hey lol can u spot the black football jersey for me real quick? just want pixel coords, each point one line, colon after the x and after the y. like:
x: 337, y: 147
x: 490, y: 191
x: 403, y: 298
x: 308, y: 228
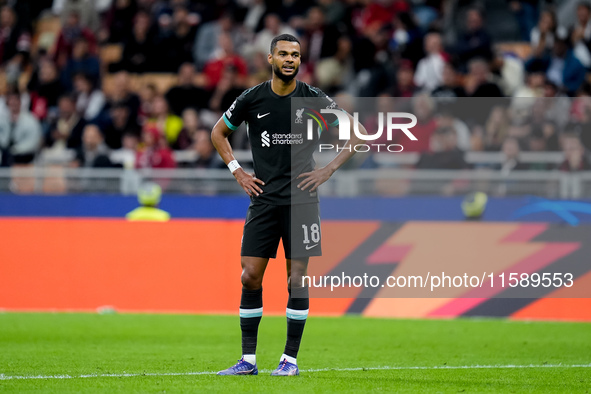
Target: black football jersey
x: 282, y: 146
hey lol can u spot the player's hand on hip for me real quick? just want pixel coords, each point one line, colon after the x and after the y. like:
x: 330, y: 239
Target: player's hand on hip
x: 249, y: 182
x: 311, y: 180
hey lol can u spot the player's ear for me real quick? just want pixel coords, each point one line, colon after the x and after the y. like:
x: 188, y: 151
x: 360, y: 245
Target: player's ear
x: 270, y: 58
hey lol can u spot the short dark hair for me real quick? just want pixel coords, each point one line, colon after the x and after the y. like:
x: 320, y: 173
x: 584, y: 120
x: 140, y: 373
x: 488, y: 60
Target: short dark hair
x: 283, y: 37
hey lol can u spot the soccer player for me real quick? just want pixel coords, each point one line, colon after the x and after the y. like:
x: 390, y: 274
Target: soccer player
x: 282, y: 188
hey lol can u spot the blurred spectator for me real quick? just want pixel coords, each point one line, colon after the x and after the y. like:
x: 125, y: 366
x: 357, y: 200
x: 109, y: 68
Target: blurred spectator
x: 66, y: 130
x: 20, y: 133
x: 335, y: 72
x: 185, y: 94
x: 407, y: 39
x: 116, y: 21
x: 575, y: 156
x: 404, y: 85
x: 426, y: 12
x: 537, y: 143
x: 123, y: 93
x: 449, y: 87
x: 580, y: 34
x: 154, y: 153
x: 511, y: 150
x: 226, y: 91
x: 147, y: 94
x: 88, y: 10
x: 557, y: 105
x: 175, y: 41
x: 125, y: 157
x: 319, y: 39
x: 71, y: 30
x: 526, y: 12
x: 224, y: 57
x: 207, y: 156
x: 15, y: 44
x: 543, y: 35
x: 208, y: 38
x: 508, y: 72
x: 445, y: 155
x: 260, y: 71
x: 190, y: 126
x: 81, y: 61
x: 479, y: 80
x: 445, y: 119
x: 429, y: 74
x: 166, y: 123
x: 290, y: 10
x: 120, y: 123
x: 535, y: 82
x: 382, y: 12
x: 563, y: 68
x: 334, y: 11
x: 89, y: 99
x: 423, y: 108
x: 253, y: 18
x: 273, y: 28
x: 550, y: 132
x: 372, y: 63
x: 93, y: 153
x: 44, y: 88
x: 496, y: 128
x: 138, y: 47
x: 475, y: 41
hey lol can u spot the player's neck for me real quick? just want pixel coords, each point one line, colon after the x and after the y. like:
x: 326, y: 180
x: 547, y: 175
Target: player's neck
x: 282, y: 88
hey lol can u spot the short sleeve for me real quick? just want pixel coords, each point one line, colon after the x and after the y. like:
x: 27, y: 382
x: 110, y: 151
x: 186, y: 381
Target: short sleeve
x: 237, y: 112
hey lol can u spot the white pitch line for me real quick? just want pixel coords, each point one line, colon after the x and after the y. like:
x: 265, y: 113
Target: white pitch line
x: 384, y: 368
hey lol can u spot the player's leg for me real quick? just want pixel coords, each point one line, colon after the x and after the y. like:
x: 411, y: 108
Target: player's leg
x: 251, y: 304
x: 259, y: 243
x: 299, y: 245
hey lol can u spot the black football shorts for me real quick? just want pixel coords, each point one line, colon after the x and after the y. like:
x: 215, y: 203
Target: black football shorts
x: 298, y: 226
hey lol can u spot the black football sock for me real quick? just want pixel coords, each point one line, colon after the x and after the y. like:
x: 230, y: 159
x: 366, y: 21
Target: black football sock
x: 251, y: 312
x: 297, y: 313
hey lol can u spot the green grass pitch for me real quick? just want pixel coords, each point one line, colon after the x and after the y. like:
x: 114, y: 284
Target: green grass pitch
x: 177, y: 353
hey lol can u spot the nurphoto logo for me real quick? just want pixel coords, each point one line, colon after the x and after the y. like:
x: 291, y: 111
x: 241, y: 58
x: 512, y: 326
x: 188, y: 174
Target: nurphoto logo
x: 388, y: 122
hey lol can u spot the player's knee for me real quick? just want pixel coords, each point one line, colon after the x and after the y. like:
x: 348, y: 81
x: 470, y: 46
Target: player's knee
x: 295, y: 279
x: 251, y: 280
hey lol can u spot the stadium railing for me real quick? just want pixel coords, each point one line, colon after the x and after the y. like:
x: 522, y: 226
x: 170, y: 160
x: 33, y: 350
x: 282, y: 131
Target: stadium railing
x: 48, y: 157
x: 349, y: 183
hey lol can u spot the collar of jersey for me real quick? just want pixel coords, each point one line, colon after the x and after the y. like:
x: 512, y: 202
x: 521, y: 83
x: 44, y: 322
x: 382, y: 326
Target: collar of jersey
x: 287, y: 95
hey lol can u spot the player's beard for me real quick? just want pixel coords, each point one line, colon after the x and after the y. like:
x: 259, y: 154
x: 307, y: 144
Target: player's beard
x: 285, y: 78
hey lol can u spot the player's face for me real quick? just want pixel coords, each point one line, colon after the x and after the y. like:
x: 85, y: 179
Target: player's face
x: 285, y: 60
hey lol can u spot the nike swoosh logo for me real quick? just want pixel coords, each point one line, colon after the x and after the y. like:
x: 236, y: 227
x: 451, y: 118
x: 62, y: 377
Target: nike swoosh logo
x: 308, y: 247
x: 262, y: 116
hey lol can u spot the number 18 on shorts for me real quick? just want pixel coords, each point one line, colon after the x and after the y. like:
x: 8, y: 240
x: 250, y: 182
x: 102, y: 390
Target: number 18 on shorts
x: 298, y: 226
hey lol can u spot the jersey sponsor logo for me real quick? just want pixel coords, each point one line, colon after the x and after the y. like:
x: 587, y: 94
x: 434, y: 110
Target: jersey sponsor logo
x: 266, y: 142
x: 308, y: 247
x: 259, y: 116
x: 287, y: 139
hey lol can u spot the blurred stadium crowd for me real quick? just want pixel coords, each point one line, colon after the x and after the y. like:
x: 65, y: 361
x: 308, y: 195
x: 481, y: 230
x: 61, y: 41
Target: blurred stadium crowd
x: 139, y: 83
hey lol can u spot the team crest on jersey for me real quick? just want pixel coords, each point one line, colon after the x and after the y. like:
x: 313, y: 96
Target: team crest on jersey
x: 299, y: 114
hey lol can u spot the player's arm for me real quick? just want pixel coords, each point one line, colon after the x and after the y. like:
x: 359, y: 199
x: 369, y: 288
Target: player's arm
x: 219, y: 138
x: 311, y: 180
